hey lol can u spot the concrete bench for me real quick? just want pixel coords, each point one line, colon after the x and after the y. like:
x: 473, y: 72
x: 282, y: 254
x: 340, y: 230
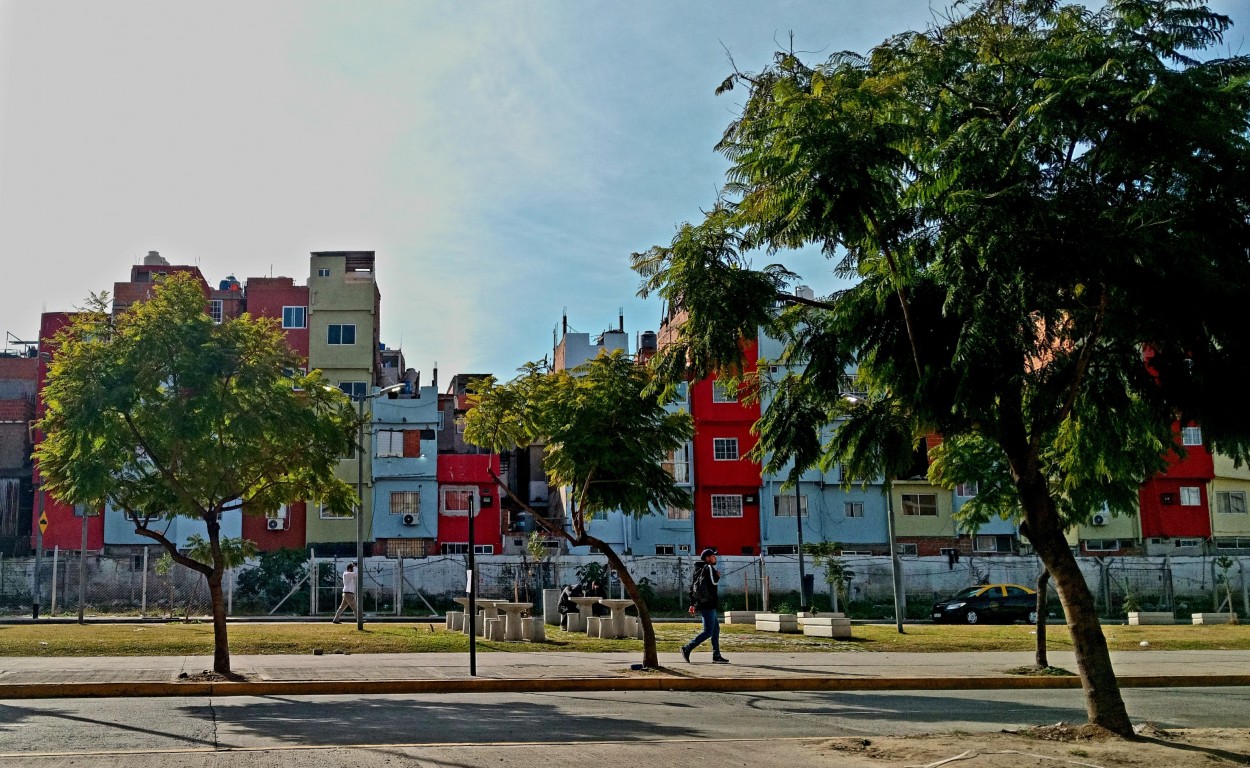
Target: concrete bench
x: 740, y: 617
x: 534, y: 629
x: 455, y: 621
x: 593, y: 626
x: 1142, y: 618
x: 1214, y: 618
x: 777, y: 622
x: 633, y: 627
x: 493, y: 629
x: 828, y: 625
x: 573, y: 622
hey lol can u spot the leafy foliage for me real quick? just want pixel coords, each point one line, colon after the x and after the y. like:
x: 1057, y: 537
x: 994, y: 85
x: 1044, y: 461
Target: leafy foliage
x: 1046, y: 212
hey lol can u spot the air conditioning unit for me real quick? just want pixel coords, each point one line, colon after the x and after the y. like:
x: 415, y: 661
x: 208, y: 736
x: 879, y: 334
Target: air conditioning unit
x: 486, y: 500
x: 410, y: 519
x: 1099, y: 519
x: 276, y: 524
x: 683, y: 548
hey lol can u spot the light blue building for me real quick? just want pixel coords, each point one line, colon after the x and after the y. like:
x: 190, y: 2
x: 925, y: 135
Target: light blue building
x: 405, y: 472
x: 119, y: 530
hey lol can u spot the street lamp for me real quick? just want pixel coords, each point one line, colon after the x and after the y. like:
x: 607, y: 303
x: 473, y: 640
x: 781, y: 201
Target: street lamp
x: 360, y: 503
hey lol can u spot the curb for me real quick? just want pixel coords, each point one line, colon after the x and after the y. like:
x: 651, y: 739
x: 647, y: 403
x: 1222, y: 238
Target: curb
x: 567, y: 684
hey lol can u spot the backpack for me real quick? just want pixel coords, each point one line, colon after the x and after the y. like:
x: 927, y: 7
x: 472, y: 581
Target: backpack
x: 700, y: 587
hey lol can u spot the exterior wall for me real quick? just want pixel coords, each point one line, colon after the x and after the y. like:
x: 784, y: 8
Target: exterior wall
x: 290, y: 534
x: 118, y: 531
x: 1163, y: 515
x: 826, y: 519
x: 348, y: 295
x: 416, y: 470
x: 1226, y: 526
x: 576, y: 348
x: 712, y: 420
x: 267, y: 296
x: 930, y: 534
x: 470, y: 471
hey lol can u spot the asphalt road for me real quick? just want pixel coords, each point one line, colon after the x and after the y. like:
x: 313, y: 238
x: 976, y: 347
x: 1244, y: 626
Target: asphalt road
x: 549, y: 729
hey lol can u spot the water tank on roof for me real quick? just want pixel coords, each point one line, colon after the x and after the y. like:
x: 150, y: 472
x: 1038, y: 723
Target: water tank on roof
x: 804, y: 292
x: 229, y: 284
x: 154, y: 258
x: 647, y: 341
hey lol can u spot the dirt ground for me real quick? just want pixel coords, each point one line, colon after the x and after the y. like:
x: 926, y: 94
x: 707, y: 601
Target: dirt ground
x: 1052, y: 746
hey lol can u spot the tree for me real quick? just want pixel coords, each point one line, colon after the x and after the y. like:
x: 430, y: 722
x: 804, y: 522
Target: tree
x: 1047, y: 213
x: 161, y: 413
x: 606, y: 433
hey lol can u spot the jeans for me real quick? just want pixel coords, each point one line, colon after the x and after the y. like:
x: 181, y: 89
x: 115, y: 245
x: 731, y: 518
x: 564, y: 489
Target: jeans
x: 711, y: 629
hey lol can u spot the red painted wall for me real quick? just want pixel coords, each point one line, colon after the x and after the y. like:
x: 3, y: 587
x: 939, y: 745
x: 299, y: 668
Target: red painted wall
x: 64, y: 529
x: 256, y: 528
x: 728, y: 535
x: 1160, y: 519
x: 470, y: 470
x: 266, y: 296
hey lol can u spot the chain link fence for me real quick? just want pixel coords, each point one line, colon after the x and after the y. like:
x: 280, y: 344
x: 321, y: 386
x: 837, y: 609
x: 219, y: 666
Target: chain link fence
x: 291, y: 583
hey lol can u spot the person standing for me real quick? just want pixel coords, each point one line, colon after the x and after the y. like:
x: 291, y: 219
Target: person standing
x: 349, y: 593
x: 705, y: 601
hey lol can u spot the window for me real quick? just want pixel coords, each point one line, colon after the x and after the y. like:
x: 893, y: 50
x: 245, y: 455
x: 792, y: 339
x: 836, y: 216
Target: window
x: 295, y: 317
x: 599, y: 515
x: 678, y: 464
x: 406, y: 503
x: 328, y: 514
x: 1191, y: 436
x: 724, y: 448
x: 1189, y: 542
x: 924, y: 504
x: 354, y: 389
x: 214, y: 310
x: 723, y: 393
x: 341, y: 333
x: 462, y: 548
x: 133, y: 516
x: 991, y: 543
x: 853, y: 509
x: 908, y: 549
x: 966, y: 490
x: 388, y: 443
x: 440, y: 421
x: 457, y: 501
x: 683, y: 393
x: 1016, y: 592
x: 677, y: 513
x: 783, y: 506
x: 1191, y: 496
x: 726, y: 505
x: 783, y: 549
x: 460, y: 424
x: 1102, y: 545
x: 665, y: 549
x: 323, y: 272
x: 1230, y: 502
x: 1232, y: 543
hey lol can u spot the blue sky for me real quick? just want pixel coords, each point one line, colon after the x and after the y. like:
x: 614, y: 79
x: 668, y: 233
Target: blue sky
x: 502, y: 158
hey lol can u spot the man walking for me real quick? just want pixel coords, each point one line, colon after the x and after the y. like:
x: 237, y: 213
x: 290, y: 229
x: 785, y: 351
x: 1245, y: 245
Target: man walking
x: 705, y: 600
x: 349, y: 593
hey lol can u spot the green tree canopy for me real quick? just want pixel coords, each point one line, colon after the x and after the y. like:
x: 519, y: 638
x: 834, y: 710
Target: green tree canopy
x: 1045, y: 210
x: 607, y: 435
x: 163, y: 413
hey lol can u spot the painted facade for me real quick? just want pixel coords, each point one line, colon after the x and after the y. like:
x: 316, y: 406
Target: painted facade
x: 1229, y: 494
x: 1175, y: 508
x: 405, y: 474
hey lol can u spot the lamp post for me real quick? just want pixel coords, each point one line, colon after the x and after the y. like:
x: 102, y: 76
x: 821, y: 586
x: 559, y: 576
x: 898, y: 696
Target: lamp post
x: 798, y: 517
x: 895, y: 575
x: 360, y: 504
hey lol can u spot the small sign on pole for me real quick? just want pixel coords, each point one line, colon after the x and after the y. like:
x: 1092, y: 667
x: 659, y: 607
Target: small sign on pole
x: 43, y: 523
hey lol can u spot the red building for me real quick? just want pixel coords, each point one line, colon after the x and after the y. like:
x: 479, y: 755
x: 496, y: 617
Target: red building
x: 64, y: 528
x: 1174, y: 503
x: 726, y: 483
x: 281, y: 299
x: 464, y: 482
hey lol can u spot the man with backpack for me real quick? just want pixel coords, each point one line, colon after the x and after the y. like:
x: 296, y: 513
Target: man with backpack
x: 705, y: 600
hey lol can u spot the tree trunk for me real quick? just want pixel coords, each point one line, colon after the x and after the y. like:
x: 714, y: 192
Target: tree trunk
x: 221, y: 643
x: 1103, y: 702
x: 1042, y: 611
x: 650, y: 658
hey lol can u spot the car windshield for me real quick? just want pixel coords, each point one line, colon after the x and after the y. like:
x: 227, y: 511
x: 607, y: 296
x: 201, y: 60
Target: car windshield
x: 969, y: 592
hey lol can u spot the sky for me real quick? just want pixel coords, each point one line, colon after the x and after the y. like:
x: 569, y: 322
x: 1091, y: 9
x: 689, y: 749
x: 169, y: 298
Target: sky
x: 503, y: 159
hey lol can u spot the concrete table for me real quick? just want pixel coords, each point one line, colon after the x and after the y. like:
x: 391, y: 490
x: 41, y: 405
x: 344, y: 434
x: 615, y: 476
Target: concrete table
x: 584, y: 605
x: 512, y: 619
x: 616, y: 619
x: 486, y: 607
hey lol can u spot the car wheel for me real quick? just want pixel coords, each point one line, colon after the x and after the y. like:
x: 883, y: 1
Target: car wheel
x: 971, y: 617
x: 1032, y: 617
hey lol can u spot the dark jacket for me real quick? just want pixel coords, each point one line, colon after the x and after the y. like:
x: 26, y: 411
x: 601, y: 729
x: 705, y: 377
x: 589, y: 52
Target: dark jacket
x: 703, y: 591
x: 566, y: 605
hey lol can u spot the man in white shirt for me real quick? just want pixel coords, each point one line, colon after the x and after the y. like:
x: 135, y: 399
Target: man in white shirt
x: 349, y: 593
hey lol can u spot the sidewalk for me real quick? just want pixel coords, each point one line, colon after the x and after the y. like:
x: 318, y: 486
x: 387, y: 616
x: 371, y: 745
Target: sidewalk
x: 338, y: 674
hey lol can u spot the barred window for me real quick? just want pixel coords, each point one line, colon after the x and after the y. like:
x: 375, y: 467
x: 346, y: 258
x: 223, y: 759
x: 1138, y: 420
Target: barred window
x: 405, y: 502
x: 726, y: 505
x: 725, y: 448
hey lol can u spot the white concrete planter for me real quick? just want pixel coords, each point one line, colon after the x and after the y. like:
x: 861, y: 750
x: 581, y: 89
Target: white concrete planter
x: 1136, y: 618
x: 1214, y: 618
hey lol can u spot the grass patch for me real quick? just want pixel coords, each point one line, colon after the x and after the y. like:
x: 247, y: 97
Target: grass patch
x: 179, y: 639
